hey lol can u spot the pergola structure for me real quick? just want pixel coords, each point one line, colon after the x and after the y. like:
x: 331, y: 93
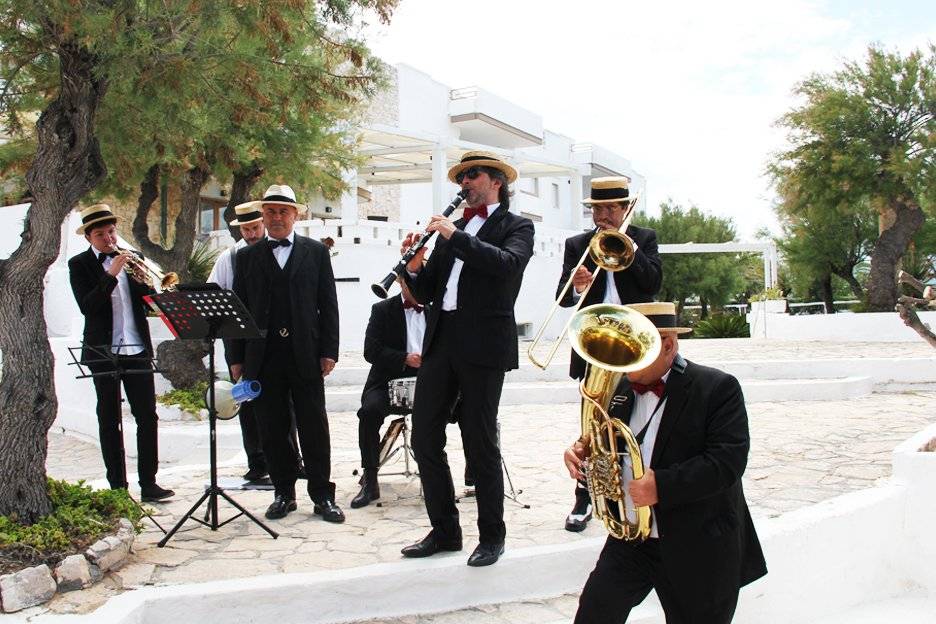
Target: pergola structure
x: 394, y: 156
x: 767, y: 250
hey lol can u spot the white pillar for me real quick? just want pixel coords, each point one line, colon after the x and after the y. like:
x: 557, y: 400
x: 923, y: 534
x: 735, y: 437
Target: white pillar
x: 439, y: 171
x: 768, y: 268
x: 575, y: 190
x: 349, y: 200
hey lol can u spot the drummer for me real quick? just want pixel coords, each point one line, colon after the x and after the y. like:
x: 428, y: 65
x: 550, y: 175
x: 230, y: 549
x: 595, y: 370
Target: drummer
x: 392, y: 346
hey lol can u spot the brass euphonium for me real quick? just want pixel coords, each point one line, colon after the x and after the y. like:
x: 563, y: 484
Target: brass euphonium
x: 613, y: 340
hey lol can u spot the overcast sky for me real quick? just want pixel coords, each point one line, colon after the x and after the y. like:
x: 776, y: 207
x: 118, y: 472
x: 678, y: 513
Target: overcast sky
x: 687, y: 91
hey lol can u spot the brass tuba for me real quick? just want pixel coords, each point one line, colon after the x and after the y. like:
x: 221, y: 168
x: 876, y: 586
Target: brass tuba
x: 613, y: 340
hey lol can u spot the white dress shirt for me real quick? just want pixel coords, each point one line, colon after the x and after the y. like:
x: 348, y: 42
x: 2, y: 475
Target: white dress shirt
x: 415, y: 328
x: 125, y: 330
x: 450, y: 298
x: 222, y: 273
x: 282, y: 253
x: 644, y: 406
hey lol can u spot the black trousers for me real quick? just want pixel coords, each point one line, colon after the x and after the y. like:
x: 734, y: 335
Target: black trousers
x: 280, y: 382
x: 441, y: 377
x: 141, y: 394
x: 375, y: 407
x: 625, y: 574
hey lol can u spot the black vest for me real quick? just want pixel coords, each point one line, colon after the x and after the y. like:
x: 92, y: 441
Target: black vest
x: 280, y: 301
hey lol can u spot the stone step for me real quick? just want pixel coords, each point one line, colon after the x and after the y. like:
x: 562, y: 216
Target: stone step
x: 882, y: 371
x: 348, y: 398
x: 915, y: 608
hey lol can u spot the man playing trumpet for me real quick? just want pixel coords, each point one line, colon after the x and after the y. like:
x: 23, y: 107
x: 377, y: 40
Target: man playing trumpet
x: 115, y: 322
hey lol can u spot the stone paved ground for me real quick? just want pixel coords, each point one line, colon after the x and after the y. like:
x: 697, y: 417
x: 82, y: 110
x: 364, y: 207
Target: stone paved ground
x: 802, y: 453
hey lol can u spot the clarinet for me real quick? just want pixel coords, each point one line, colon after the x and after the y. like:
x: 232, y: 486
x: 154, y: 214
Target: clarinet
x: 382, y: 287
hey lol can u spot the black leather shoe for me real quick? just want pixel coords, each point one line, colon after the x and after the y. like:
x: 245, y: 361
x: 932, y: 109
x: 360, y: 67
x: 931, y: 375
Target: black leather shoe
x: 153, y: 493
x: 370, y: 491
x: 255, y: 474
x: 329, y: 511
x: 486, y: 554
x: 280, y: 507
x: 429, y: 545
x: 581, y: 513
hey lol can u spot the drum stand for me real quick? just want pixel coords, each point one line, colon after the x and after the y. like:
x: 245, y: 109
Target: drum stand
x: 398, y: 429
x: 510, y: 493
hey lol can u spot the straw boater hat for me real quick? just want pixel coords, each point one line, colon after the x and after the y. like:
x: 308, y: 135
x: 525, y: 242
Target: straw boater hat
x: 662, y: 314
x: 281, y: 194
x: 482, y: 159
x: 608, y: 190
x: 248, y: 212
x: 94, y: 214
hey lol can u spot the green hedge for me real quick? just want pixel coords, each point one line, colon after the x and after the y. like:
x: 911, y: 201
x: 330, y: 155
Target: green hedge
x: 722, y: 326
x: 79, y: 518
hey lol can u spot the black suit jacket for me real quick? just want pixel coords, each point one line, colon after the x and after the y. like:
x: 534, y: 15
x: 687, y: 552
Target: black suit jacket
x: 92, y: 287
x: 385, y: 344
x: 708, y: 543
x: 314, y: 308
x: 639, y: 283
x: 488, y: 287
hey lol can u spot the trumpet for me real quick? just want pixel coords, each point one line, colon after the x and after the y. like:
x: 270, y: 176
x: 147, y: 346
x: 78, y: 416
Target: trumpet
x: 611, y: 250
x: 382, y: 287
x: 146, y: 273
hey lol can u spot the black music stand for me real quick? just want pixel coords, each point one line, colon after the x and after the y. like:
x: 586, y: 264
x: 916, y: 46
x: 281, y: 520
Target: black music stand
x: 104, y: 355
x: 207, y: 312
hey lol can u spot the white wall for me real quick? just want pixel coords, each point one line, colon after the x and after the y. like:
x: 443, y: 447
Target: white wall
x: 842, y: 327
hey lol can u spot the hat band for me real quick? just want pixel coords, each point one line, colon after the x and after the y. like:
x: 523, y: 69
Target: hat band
x: 96, y: 215
x: 278, y: 198
x: 473, y: 158
x: 249, y: 216
x: 662, y: 320
x: 611, y: 193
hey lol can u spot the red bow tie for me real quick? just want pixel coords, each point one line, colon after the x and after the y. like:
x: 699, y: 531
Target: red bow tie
x: 415, y: 307
x: 657, y: 387
x: 481, y: 211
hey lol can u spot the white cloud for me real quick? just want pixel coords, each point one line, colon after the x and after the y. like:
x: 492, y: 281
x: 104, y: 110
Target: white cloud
x: 687, y: 91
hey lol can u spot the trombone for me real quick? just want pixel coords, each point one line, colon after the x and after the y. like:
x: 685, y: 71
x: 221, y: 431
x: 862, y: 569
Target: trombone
x: 611, y: 250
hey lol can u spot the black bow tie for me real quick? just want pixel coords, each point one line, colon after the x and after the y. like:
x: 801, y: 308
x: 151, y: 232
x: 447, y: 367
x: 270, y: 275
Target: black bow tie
x: 103, y: 256
x: 279, y: 243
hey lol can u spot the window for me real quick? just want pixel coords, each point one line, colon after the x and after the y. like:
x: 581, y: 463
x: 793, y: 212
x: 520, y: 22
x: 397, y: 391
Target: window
x: 555, y: 195
x: 530, y: 186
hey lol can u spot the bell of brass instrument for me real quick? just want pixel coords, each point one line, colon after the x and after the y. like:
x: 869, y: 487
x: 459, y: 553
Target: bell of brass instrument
x: 611, y: 250
x: 146, y: 273
x: 613, y: 340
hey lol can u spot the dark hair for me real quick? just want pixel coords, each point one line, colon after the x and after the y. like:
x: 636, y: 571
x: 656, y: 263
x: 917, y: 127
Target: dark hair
x: 100, y: 224
x: 503, y: 194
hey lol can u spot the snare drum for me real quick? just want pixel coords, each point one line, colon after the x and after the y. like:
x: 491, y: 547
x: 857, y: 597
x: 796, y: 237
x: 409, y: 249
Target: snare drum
x: 402, y: 394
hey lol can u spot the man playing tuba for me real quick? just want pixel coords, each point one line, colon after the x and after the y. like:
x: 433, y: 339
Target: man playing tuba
x: 692, y: 428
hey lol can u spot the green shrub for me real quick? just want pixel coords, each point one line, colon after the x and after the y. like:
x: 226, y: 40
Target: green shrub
x: 201, y: 261
x: 190, y: 399
x: 80, y: 516
x: 722, y: 326
x: 771, y: 293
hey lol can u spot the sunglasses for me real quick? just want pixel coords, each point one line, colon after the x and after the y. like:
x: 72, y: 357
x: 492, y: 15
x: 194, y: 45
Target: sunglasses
x: 471, y: 173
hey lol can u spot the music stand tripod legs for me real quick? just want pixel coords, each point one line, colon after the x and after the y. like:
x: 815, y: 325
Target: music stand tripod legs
x: 216, y: 312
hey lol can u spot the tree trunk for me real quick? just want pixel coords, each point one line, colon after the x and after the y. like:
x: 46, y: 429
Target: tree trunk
x: 825, y: 285
x: 848, y: 274
x: 67, y: 166
x: 174, y: 259
x: 887, y: 252
x: 243, y: 183
x: 703, y: 313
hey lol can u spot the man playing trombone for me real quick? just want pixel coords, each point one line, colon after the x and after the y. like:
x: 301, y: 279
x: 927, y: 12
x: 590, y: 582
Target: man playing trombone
x: 611, y: 204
